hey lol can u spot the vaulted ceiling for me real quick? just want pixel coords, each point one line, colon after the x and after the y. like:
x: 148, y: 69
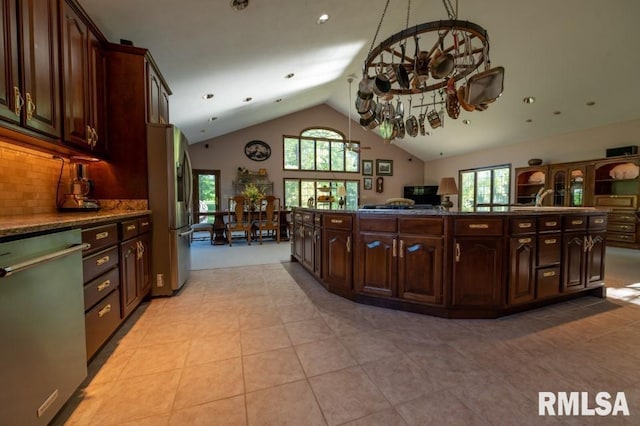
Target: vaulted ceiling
x: 566, y: 54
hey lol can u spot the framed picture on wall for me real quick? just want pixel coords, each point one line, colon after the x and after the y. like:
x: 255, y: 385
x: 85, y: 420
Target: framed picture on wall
x: 367, y: 183
x: 384, y: 167
x: 367, y: 167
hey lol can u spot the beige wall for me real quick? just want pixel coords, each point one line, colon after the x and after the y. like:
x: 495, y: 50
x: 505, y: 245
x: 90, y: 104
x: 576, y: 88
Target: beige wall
x: 226, y: 153
x: 576, y: 146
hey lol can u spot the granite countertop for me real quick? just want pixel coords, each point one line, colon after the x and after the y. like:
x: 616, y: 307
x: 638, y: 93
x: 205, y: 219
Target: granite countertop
x: 439, y: 212
x: 26, y: 224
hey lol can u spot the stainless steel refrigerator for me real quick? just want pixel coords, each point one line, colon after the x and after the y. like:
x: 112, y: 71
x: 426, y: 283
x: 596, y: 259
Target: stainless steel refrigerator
x: 170, y: 182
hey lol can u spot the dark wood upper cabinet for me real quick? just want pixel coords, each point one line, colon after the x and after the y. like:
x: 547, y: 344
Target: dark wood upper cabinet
x: 29, y: 92
x: 84, y: 84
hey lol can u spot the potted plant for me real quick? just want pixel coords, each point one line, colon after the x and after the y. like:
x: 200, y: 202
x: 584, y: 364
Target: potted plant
x: 253, y: 194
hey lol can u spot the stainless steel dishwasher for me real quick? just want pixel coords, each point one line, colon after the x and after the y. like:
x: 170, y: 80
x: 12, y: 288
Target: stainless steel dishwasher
x: 42, y: 336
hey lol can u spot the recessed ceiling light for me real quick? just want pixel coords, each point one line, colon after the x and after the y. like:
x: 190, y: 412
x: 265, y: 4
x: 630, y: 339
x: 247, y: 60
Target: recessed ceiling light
x: 213, y: 118
x: 322, y: 19
x: 466, y: 121
x: 279, y: 100
x: 247, y: 99
x: 529, y: 100
x: 207, y: 96
x: 529, y: 120
x: 557, y: 112
x: 203, y: 131
x: 591, y: 103
x: 290, y: 75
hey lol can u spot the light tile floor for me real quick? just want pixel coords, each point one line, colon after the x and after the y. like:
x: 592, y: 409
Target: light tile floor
x: 267, y: 345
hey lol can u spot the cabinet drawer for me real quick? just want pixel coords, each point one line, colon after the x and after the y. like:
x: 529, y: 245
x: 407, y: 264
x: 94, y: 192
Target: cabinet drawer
x: 307, y: 218
x: 100, y: 287
x: 626, y: 238
x: 378, y: 224
x: 549, y: 249
x: 337, y: 221
x: 101, y: 321
x: 422, y: 226
x: 478, y: 226
x: 575, y: 222
x: 100, y: 237
x: 523, y: 225
x: 144, y: 224
x: 621, y: 227
x: 99, y: 263
x: 549, y: 223
x: 548, y: 282
x: 598, y: 222
x: 617, y: 201
x: 129, y: 229
x: 622, y: 217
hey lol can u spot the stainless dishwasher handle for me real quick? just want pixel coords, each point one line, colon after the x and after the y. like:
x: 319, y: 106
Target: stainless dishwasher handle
x: 18, y: 267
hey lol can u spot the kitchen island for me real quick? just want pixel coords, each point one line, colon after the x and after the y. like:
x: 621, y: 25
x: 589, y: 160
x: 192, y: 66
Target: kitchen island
x: 454, y: 264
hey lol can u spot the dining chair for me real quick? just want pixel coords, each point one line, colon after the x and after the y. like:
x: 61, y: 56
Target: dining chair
x: 268, y: 217
x: 238, y: 218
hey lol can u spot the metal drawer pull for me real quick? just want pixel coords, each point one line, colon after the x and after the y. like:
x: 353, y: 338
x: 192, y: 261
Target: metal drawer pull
x: 401, y: 248
x: 549, y: 274
x: 457, y: 252
x: 144, y: 223
x: 478, y: 226
x: 31, y: 107
x: 102, y: 235
x: 524, y: 240
x: 349, y: 244
x: 131, y: 227
x: 102, y: 260
x: 104, y: 285
x: 525, y: 225
x: 550, y: 241
x: 551, y: 223
x: 598, y: 221
x: 104, y: 311
x: 7, y: 271
x: 336, y: 220
x: 18, y: 101
x: 395, y: 249
x: 577, y: 222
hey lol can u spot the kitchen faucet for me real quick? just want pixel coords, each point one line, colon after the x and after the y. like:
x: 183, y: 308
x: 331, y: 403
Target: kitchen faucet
x: 541, y: 194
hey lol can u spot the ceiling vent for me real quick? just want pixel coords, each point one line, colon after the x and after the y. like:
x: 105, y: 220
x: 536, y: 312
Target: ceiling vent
x: 239, y: 4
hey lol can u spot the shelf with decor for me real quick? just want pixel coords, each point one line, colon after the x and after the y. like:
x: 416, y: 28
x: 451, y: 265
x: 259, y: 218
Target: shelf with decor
x: 529, y: 180
x: 259, y: 179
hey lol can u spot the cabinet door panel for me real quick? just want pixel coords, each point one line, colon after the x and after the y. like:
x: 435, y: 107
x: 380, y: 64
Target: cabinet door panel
x: 9, y: 77
x: 420, y: 269
x: 573, y: 262
x: 128, y: 276
x: 144, y: 266
x: 75, y: 71
x: 595, y: 260
x: 477, y: 272
x: 377, y: 264
x: 522, y: 255
x: 338, y: 261
x: 41, y: 65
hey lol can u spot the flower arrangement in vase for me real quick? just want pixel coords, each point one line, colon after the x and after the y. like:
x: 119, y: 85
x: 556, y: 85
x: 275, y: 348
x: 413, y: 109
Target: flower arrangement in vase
x: 253, y: 194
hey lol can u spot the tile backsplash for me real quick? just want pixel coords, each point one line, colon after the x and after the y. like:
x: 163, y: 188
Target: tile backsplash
x: 28, y: 180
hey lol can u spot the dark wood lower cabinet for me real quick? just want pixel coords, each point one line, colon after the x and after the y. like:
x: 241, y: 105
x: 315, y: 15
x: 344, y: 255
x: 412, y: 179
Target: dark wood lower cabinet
x: 377, y: 264
x: 522, y: 277
x: 338, y: 263
x: 455, y: 266
x: 477, y: 271
x: 420, y: 269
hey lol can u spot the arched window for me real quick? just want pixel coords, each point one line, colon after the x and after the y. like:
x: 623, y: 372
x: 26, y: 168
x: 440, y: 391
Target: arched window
x: 320, y: 149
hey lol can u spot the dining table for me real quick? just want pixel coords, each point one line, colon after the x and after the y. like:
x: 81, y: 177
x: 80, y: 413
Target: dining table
x: 221, y: 216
